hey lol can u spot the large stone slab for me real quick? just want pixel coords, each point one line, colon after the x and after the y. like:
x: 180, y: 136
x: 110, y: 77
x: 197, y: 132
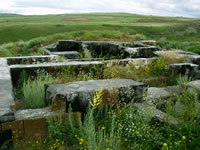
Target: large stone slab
x: 50, y: 67
x: 158, y: 96
x: 3, y: 62
x: 32, y: 113
x: 6, y: 93
x: 141, y: 52
x: 31, y: 59
x: 194, y: 59
x: 68, y: 54
x: 78, y: 94
x: 157, y: 93
x: 105, y: 48
x: 183, y: 68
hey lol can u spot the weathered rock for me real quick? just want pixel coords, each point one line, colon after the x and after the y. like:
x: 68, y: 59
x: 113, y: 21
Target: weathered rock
x: 78, y: 94
x: 3, y: 62
x: 6, y: 114
x: 173, y: 89
x: 31, y: 59
x: 6, y: 94
x: 105, y: 48
x: 159, y: 97
x: 195, y: 59
x: 194, y: 87
x: 50, y: 67
x: 157, y: 93
x: 97, y: 49
x: 142, y: 52
x: 68, y: 45
x: 156, y: 114
x: 195, y: 74
x: 149, y: 42
x: 137, y: 62
x: 68, y: 54
x: 183, y: 68
x: 32, y: 113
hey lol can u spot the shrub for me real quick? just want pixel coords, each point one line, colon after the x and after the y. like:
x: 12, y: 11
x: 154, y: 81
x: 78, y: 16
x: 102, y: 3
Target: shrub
x: 135, y: 130
x: 33, y: 90
x: 158, y: 67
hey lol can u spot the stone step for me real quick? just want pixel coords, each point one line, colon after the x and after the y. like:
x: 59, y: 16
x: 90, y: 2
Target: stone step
x: 32, y: 113
x: 78, y: 94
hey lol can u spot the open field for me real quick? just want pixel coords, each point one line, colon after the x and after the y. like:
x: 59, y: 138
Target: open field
x: 170, y: 32
x: 93, y: 95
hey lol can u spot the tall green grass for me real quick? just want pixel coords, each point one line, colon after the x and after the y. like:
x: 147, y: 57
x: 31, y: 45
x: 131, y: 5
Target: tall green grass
x: 33, y: 91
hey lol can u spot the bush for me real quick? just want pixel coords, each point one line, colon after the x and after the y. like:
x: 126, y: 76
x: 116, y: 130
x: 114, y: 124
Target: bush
x: 33, y: 90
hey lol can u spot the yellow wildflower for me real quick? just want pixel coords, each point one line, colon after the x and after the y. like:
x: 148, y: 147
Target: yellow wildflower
x: 81, y: 140
x: 183, y: 137
x: 165, y: 144
x: 106, y: 140
x: 102, y: 127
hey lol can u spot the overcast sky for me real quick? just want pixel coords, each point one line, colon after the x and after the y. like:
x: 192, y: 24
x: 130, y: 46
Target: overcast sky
x: 187, y: 8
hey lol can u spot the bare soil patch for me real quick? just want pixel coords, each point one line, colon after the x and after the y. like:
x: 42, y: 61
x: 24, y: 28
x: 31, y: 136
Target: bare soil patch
x: 78, y: 19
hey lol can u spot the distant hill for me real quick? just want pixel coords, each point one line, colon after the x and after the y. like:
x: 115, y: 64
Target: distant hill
x: 169, y: 31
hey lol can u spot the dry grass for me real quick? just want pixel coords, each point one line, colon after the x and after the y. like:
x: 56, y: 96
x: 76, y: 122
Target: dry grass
x: 172, y: 57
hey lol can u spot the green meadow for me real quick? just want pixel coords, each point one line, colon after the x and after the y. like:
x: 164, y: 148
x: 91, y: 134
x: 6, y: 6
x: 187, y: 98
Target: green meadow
x: 25, y: 35
x: 106, y: 125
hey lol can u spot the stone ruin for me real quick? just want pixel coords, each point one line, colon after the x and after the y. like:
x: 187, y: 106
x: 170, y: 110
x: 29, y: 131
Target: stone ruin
x: 84, y: 54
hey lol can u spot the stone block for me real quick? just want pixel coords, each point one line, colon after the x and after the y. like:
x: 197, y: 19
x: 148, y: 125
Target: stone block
x: 68, y: 55
x: 35, y: 128
x: 58, y: 104
x: 32, y: 113
x: 6, y: 115
x: 17, y: 128
x: 14, y: 125
x: 183, y: 68
x: 78, y: 94
x: 193, y: 87
x: 68, y: 45
x: 157, y: 93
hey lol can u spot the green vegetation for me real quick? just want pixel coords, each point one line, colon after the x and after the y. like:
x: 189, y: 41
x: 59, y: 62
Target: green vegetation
x: 106, y: 128
x: 26, y: 35
x: 28, y: 89
x: 33, y: 90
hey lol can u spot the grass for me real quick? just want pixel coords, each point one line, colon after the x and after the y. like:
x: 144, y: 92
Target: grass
x: 18, y: 31
x: 33, y: 90
x: 106, y: 128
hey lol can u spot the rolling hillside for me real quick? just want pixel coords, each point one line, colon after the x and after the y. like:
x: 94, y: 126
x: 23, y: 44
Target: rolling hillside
x: 171, y: 32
